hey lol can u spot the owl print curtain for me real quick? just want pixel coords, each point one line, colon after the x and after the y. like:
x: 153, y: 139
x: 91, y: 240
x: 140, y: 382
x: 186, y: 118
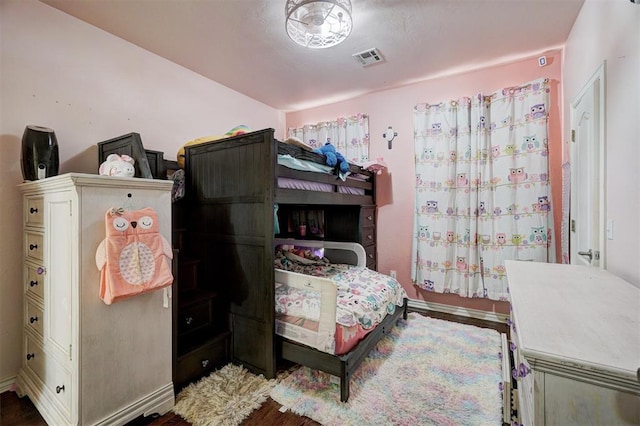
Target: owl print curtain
x: 482, y: 190
x: 350, y: 136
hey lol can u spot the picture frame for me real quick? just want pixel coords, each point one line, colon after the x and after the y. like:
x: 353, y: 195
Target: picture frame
x: 131, y: 145
x: 157, y: 164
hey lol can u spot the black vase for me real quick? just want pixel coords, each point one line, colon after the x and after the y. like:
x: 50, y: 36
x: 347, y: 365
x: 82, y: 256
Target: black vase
x: 39, y: 156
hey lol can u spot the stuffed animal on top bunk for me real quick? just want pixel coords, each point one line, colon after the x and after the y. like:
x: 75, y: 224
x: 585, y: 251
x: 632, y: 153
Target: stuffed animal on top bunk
x: 333, y: 157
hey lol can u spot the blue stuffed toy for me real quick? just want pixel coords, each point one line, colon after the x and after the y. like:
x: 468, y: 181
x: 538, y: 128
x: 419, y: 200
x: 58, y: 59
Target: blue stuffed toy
x: 333, y: 157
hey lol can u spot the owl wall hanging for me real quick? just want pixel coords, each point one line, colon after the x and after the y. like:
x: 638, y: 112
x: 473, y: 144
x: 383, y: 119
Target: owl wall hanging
x: 134, y: 258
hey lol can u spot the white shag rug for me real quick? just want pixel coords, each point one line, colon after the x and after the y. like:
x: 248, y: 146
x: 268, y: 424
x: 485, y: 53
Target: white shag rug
x: 224, y: 398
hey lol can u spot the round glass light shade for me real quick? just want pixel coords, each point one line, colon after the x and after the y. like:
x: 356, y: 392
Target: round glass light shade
x: 318, y: 24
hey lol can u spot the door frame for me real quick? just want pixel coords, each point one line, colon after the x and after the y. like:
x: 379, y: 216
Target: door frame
x: 600, y: 110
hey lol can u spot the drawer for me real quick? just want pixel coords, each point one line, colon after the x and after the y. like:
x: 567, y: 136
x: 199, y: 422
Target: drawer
x: 368, y: 236
x: 526, y: 395
x: 34, y: 246
x: 526, y: 384
x: 47, y: 371
x: 194, y: 316
x: 368, y: 217
x: 188, y: 274
x: 34, y: 285
x: 34, y: 317
x: 34, y: 211
x: 202, y: 360
x: 372, y: 261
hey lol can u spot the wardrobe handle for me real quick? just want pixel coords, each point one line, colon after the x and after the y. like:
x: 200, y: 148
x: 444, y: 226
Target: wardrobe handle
x: 33, y: 246
x: 33, y: 210
x: 40, y: 270
x: 205, y: 363
x: 59, y: 389
x: 33, y: 319
x: 33, y: 283
x: 188, y: 320
x: 29, y: 356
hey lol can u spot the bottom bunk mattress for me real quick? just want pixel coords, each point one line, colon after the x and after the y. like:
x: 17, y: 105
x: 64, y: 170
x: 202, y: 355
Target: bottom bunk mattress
x: 330, y: 307
x: 306, y: 331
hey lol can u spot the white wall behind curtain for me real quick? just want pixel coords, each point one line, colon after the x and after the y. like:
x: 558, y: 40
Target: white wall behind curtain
x: 482, y: 190
x: 350, y: 136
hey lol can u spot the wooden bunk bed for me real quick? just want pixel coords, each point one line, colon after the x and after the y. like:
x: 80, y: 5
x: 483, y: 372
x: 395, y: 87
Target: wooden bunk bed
x: 227, y: 214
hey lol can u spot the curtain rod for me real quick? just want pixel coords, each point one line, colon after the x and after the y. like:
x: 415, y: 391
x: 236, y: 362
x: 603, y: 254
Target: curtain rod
x: 466, y: 99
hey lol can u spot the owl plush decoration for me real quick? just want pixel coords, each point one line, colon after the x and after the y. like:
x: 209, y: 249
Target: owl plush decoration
x: 134, y: 257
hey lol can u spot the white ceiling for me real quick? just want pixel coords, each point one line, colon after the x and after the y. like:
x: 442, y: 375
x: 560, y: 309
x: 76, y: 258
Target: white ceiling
x: 242, y: 44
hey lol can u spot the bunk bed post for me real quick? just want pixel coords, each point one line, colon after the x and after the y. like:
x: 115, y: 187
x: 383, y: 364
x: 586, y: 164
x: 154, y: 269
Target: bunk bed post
x: 345, y: 377
x: 231, y: 186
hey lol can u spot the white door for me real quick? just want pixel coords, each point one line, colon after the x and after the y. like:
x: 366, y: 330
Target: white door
x: 587, y: 214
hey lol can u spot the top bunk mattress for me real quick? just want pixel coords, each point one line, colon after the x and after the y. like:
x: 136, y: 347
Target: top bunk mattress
x: 220, y: 169
x: 350, y: 183
x: 307, y: 185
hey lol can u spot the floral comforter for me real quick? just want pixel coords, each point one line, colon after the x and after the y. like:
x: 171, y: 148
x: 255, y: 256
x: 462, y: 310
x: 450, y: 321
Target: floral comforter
x: 365, y: 296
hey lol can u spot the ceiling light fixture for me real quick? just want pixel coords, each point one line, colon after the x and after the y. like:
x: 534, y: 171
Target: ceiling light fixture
x: 318, y: 24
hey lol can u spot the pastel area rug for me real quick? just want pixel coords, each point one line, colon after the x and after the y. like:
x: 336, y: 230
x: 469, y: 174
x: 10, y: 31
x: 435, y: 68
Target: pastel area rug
x: 224, y: 398
x: 425, y: 372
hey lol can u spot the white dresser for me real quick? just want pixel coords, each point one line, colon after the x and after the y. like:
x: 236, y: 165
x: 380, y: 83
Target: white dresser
x: 577, y: 332
x: 85, y: 362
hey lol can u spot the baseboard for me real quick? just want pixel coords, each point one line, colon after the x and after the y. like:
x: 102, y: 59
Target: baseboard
x: 159, y: 402
x: 421, y: 305
x: 7, y: 384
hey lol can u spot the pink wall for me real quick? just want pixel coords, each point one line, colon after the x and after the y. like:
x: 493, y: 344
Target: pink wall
x: 89, y: 86
x: 394, y: 107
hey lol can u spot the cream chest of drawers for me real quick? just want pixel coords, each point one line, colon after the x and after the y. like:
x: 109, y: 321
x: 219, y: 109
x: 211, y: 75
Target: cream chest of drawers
x: 577, y: 335
x: 85, y: 362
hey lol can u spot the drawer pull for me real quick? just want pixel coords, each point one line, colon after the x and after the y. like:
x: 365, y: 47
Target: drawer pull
x: 59, y: 389
x: 29, y: 356
x: 188, y: 320
x: 205, y: 363
x: 33, y: 210
x: 33, y: 319
x: 521, y: 371
x: 33, y: 283
x: 40, y: 270
x: 370, y: 237
x: 369, y: 217
x: 33, y: 246
x: 370, y: 256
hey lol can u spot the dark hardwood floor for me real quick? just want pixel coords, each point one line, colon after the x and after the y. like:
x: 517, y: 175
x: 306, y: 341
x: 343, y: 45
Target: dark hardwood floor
x: 16, y: 411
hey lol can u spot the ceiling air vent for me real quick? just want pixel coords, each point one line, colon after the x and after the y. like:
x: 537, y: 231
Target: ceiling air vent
x: 368, y: 57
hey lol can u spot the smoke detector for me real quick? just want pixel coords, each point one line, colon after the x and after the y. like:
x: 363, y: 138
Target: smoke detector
x: 368, y: 57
